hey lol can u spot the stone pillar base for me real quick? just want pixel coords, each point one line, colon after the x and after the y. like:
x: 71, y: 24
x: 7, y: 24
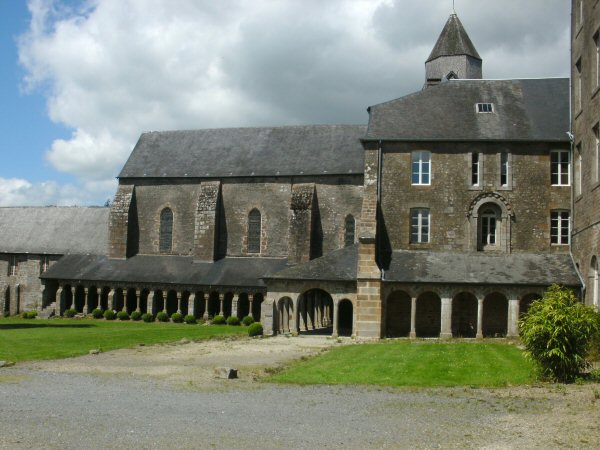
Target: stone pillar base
x: 412, y: 335
x: 479, y: 336
x: 445, y: 335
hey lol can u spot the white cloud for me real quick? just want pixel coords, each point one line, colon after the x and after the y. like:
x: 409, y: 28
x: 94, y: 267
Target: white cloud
x: 112, y: 69
x: 20, y: 192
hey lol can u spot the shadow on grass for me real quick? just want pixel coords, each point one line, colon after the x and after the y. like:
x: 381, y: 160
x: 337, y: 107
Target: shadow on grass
x: 16, y: 326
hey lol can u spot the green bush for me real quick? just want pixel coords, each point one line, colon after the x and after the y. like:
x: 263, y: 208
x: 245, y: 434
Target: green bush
x: 557, y: 332
x: 177, y: 317
x: 6, y: 314
x: 248, y: 320
x: 109, y: 314
x: 162, y: 317
x: 190, y: 319
x: 218, y: 320
x: 136, y: 315
x: 147, y: 317
x: 233, y: 320
x: 255, y: 329
x: 122, y: 315
x: 70, y: 313
x: 29, y: 314
x: 97, y: 313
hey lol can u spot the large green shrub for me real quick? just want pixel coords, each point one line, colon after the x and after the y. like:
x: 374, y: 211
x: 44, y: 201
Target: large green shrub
x: 136, y: 315
x: 233, y: 320
x: 29, y: 314
x: 248, y: 320
x: 557, y: 332
x: 70, y: 313
x: 177, y: 317
x: 162, y: 317
x: 97, y: 313
x: 122, y: 315
x: 218, y: 320
x: 109, y: 314
x: 147, y: 317
x: 255, y: 329
x: 190, y: 319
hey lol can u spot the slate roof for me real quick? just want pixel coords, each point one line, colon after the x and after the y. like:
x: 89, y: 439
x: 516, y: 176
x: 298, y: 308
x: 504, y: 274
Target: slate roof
x: 233, y: 152
x: 54, y: 230
x: 176, y: 270
x: 453, y: 40
x: 479, y: 268
x: 524, y: 110
x: 339, y: 265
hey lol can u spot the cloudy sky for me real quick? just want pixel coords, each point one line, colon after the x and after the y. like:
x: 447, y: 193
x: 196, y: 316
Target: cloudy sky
x: 80, y: 80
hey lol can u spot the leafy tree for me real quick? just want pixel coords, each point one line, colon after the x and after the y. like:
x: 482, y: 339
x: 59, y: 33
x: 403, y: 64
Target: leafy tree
x: 557, y: 333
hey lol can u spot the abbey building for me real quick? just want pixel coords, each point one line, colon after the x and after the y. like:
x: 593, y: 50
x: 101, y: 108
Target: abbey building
x: 446, y: 215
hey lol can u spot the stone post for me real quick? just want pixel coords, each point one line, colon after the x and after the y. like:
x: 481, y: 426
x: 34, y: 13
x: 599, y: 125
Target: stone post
x: 98, y: 298
x: 150, y: 302
x: 59, y: 301
x: 165, y: 298
x: 111, y: 298
x: 137, y: 300
x: 234, y: 304
x: 250, y: 299
x: 73, y: 292
x: 413, y: 318
x: 266, y: 317
x: 513, y: 318
x: 446, y: 319
x: 86, y: 292
x: 206, y: 297
x: 221, y: 298
x: 191, y: 301
x: 479, y: 318
x: 335, y: 319
x: 179, y: 302
x: 43, y: 295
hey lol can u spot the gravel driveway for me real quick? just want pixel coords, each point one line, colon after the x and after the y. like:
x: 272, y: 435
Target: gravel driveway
x: 42, y: 406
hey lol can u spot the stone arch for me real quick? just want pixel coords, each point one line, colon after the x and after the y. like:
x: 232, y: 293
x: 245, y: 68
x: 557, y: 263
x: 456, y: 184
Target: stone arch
x: 464, y: 315
x: 480, y: 213
x: 103, y: 298
x: 285, y: 309
x: 165, y: 235
x: 118, y: 299
x: 594, y: 282
x: 214, y: 304
x: 171, y: 302
x: 315, y: 312
x: 158, y: 301
x: 345, y: 317
x: 428, y: 321
x: 397, y: 314
x: 130, y: 300
x: 495, y: 315
x: 93, y: 298
x: 526, y: 302
x: 243, y: 307
x: 79, y: 298
x: 227, y: 304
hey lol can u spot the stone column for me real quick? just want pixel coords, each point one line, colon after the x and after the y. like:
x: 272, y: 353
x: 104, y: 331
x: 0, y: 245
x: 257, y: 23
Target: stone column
x: 234, y: 304
x: 413, y: 318
x: 99, y: 298
x: 73, y: 292
x: 43, y: 296
x: 138, y: 293
x: 221, y: 298
x: 111, y: 297
x: 150, y: 302
x: 513, y: 318
x: 191, y: 301
x: 86, y: 292
x: 165, y: 297
x: 179, y: 302
x: 58, y: 300
x: 335, y: 319
x: 206, y: 297
x: 125, y: 295
x: 446, y: 319
x: 479, y: 318
x: 250, y: 299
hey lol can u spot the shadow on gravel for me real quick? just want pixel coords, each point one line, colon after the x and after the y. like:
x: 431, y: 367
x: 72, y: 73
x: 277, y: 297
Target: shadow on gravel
x: 15, y: 326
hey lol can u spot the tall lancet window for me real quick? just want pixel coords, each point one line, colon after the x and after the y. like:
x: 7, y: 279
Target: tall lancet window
x: 349, y: 231
x: 165, y: 244
x: 254, y: 228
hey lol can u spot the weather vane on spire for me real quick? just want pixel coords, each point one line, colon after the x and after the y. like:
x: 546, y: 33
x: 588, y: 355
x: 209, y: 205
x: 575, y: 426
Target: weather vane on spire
x: 453, y: 10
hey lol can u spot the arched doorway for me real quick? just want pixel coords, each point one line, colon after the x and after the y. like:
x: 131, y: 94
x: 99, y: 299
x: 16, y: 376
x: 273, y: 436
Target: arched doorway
x: 397, y: 314
x: 526, y: 302
x: 464, y: 315
x: 345, y: 317
x: 171, y: 302
x: 131, y: 300
x: 227, y: 302
x: 428, y: 315
x: 315, y: 312
x: 118, y: 300
x: 257, y: 300
x: 214, y: 305
x: 243, y: 307
x: 495, y: 315
x: 285, y: 309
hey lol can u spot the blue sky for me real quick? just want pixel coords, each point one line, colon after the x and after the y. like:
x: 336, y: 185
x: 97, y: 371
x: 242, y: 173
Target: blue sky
x: 81, y: 79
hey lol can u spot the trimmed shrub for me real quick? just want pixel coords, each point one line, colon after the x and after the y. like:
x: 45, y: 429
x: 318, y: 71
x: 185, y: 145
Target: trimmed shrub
x: 218, y: 320
x: 190, y: 319
x: 557, y: 333
x: 70, y: 313
x: 233, y: 320
x: 136, y: 315
x: 248, y: 320
x: 109, y: 314
x: 122, y: 315
x: 147, y: 317
x: 97, y: 313
x: 32, y: 314
x: 255, y: 329
x: 162, y: 317
x: 177, y: 317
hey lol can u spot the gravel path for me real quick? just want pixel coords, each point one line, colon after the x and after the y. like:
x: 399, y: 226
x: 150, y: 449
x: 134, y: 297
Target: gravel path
x: 42, y: 408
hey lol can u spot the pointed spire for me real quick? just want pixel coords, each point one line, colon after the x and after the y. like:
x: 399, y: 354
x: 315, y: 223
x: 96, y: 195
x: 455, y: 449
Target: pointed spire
x: 453, y: 41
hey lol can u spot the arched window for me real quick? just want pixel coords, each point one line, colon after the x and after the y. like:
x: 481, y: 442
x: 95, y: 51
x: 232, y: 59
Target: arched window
x: 165, y: 244
x: 254, y: 228
x: 349, y: 231
x: 488, y: 227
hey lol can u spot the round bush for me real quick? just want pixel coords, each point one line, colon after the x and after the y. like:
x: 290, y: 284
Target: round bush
x: 219, y: 320
x: 136, y: 315
x: 122, y: 315
x: 190, y: 319
x: 248, y: 320
x: 177, y: 317
x: 233, y: 320
x: 255, y: 329
x: 31, y: 314
x: 97, y: 313
x: 147, y: 317
x: 109, y: 314
x: 162, y: 317
x: 70, y: 313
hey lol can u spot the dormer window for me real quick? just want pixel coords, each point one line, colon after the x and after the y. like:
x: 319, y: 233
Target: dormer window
x: 485, y: 107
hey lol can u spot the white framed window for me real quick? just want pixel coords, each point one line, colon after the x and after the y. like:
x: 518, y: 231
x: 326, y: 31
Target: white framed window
x: 485, y: 108
x: 560, y: 228
x: 596, y: 76
x: 488, y: 228
x: 12, y: 265
x: 596, y: 153
x: 504, y: 168
x: 475, y: 169
x: 560, y: 168
x: 419, y: 225
x: 577, y: 84
x: 577, y: 169
x: 595, y: 282
x: 421, y: 167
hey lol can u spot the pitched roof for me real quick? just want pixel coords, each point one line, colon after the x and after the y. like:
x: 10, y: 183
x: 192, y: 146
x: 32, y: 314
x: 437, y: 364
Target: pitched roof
x: 233, y: 152
x: 524, y: 110
x: 54, y: 230
x: 453, y: 40
x: 159, y: 269
x: 479, y: 268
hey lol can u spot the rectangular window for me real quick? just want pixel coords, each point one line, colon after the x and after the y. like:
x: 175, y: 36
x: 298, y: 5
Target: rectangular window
x: 577, y: 85
x: 474, y: 169
x: 596, y: 76
x: 485, y: 107
x: 504, y: 169
x: 421, y: 167
x: 560, y: 170
x: 559, y: 227
x: 419, y: 225
x: 12, y: 265
x: 577, y: 171
x: 596, y: 153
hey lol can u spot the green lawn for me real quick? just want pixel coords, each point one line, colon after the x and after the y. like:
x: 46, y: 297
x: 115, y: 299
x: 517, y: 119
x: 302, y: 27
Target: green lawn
x: 415, y: 364
x: 23, y: 340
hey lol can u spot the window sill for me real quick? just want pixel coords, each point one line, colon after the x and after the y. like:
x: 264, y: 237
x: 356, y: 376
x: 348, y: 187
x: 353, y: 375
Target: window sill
x: 421, y: 185
x: 560, y: 185
x: 476, y: 188
x: 578, y: 198
x: 595, y: 92
x: 578, y: 113
x: 504, y: 188
x: 595, y: 186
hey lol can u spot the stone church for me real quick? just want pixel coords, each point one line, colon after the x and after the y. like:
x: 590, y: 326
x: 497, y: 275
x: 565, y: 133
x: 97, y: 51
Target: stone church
x: 444, y: 216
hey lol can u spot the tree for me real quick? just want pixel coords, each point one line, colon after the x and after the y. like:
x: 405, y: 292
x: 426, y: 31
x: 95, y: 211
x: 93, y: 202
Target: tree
x: 557, y: 333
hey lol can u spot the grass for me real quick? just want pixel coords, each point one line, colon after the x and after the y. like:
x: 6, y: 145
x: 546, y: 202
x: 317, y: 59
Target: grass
x: 414, y: 364
x: 24, y: 340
